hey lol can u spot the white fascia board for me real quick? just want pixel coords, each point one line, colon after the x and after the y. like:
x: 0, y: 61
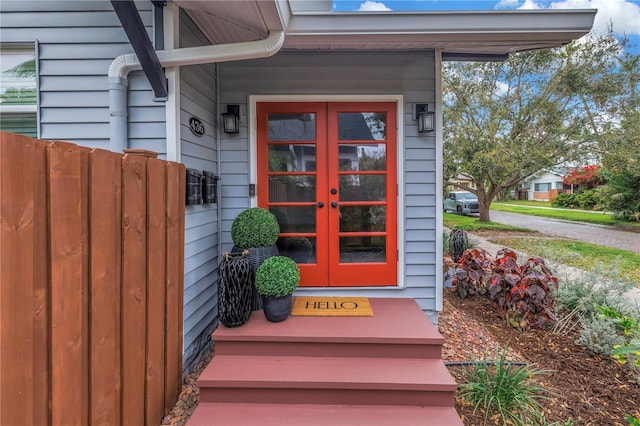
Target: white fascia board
x: 572, y: 21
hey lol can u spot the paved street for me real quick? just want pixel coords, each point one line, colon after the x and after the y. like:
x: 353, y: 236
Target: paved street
x: 590, y: 233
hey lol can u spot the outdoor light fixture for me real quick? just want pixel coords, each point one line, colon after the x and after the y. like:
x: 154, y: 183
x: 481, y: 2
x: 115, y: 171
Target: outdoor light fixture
x: 426, y: 118
x: 231, y: 119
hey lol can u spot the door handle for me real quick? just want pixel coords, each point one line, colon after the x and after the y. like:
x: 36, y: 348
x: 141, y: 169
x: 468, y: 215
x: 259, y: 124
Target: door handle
x: 320, y: 204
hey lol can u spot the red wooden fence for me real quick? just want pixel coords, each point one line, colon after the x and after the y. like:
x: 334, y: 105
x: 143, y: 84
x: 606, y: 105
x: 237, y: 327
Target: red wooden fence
x: 91, y: 284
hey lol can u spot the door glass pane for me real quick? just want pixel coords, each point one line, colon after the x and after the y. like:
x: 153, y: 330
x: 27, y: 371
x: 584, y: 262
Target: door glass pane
x: 300, y: 249
x: 362, y: 157
x: 295, y: 218
x: 287, y: 188
x: 363, y: 187
x: 292, y: 127
x: 363, y: 219
x: 367, y: 126
x: 292, y: 157
x: 363, y: 249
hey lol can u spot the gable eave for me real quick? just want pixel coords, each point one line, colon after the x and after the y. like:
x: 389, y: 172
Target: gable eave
x: 458, y: 32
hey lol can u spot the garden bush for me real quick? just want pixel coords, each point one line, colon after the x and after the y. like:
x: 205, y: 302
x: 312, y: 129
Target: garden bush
x: 473, y: 272
x: 599, y: 336
x: 578, y: 298
x: 523, y: 293
x: 587, y: 199
x: 567, y: 200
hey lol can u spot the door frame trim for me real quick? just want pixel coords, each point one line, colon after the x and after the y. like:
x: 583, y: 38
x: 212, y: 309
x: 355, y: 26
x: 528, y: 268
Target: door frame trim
x: 399, y: 100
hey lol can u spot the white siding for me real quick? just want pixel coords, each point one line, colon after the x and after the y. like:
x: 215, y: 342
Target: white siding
x: 78, y: 40
x: 410, y: 74
x: 198, y: 98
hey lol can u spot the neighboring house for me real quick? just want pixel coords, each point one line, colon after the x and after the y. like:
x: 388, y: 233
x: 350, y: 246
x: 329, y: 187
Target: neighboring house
x: 331, y: 96
x: 463, y: 181
x: 545, y: 186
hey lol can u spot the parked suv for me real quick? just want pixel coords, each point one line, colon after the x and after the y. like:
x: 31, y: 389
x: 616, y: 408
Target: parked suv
x: 462, y: 203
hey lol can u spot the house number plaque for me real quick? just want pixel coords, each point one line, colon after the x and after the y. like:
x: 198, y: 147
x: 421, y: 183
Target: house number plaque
x: 196, y: 126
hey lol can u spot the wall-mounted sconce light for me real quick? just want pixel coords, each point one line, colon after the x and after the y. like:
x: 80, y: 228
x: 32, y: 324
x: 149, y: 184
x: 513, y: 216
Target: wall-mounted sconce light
x: 231, y: 119
x: 426, y: 118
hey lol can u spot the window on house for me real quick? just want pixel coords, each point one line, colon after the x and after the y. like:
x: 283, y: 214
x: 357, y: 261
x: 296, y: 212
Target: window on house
x: 541, y: 187
x: 18, y: 89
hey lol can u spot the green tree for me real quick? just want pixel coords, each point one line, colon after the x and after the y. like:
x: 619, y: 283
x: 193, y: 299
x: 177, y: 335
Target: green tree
x: 505, y: 121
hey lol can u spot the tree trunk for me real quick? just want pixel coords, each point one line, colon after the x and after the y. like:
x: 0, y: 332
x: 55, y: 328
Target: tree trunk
x: 484, y: 201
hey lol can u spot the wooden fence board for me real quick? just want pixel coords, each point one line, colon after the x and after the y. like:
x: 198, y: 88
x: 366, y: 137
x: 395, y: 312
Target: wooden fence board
x: 156, y: 276
x: 17, y: 160
x: 41, y: 291
x: 176, y: 176
x: 105, y: 286
x: 134, y: 283
x: 91, y: 284
x: 68, y: 355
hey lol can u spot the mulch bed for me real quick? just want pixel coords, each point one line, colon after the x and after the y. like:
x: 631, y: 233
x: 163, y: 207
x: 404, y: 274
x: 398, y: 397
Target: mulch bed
x: 592, y: 390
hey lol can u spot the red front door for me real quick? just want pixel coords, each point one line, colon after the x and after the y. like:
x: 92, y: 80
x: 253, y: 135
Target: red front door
x: 328, y: 173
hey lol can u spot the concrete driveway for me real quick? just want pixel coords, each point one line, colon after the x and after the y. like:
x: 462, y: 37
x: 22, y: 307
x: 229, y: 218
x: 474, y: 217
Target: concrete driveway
x: 587, y: 232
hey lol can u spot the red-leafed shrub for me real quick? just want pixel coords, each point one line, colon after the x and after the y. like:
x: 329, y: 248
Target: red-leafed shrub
x: 522, y: 293
x: 473, y: 272
x: 586, y: 177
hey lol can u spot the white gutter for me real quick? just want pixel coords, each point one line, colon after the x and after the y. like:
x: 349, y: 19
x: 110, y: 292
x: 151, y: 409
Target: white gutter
x: 121, y: 67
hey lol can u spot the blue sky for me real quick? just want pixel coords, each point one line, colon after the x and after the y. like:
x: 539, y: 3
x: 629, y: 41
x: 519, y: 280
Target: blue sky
x: 624, y: 15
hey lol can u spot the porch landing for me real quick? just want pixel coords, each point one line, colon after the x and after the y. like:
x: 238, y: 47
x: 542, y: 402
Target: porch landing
x: 380, y: 370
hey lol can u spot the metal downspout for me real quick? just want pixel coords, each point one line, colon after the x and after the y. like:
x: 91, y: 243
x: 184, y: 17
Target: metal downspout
x: 121, y: 67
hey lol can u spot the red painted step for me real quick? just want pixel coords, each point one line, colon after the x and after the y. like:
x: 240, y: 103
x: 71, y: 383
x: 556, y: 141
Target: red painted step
x: 327, y: 380
x: 209, y: 414
x: 398, y: 329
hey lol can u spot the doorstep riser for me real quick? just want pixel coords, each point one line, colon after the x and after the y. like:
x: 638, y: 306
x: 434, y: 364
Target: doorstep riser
x: 328, y: 396
x: 208, y: 414
x: 323, y: 349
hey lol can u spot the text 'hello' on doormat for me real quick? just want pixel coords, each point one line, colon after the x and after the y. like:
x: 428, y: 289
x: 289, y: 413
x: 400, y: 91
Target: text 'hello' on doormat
x: 309, y: 306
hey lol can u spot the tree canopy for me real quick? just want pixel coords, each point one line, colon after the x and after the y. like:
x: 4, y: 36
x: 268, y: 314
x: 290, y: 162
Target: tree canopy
x: 505, y: 121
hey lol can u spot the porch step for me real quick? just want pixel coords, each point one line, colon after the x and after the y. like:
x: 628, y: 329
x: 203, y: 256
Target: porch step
x: 398, y: 329
x: 327, y: 380
x: 379, y: 370
x: 240, y: 414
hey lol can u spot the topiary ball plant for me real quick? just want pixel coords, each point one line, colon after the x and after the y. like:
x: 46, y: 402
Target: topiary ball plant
x: 278, y: 276
x: 255, y: 227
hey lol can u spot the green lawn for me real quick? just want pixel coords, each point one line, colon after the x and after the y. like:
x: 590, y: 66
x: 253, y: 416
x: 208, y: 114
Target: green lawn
x: 565, y: 214
x: 527, y: 203
x: 578, y: 254
x: 469, y: 223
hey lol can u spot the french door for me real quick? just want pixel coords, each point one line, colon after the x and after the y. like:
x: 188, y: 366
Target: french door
x: 327, y: 171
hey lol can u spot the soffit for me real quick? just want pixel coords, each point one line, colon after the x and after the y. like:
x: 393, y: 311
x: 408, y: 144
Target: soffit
x: 480, y: 32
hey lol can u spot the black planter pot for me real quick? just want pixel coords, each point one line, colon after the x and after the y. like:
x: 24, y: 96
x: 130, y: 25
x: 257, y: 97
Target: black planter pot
x: 277, y: 309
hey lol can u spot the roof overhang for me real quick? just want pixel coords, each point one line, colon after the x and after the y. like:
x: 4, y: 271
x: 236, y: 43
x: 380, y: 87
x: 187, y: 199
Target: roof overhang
x: 481, y: 34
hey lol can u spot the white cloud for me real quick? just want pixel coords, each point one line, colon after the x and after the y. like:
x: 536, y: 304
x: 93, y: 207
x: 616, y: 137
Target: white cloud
x: 502, y: 4
x: 373, y: 6
x: 622, y: 14
x: 530, y: 4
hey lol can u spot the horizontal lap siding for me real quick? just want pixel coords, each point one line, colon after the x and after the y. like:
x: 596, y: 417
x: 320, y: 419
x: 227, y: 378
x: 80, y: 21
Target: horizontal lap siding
x: 78, y: 40
x: 411, y: 74
x: 197, y: 88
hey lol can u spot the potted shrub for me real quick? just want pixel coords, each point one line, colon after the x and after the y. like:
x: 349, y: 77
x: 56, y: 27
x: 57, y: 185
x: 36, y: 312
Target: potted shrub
x: 256, y: 230
x: 276, y: 280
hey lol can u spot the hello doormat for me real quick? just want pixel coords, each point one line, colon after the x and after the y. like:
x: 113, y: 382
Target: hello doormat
x: 308, y: 306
